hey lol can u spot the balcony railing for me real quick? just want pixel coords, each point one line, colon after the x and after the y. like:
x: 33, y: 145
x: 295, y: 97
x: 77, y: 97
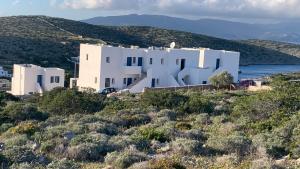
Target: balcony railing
x: 132, y: 70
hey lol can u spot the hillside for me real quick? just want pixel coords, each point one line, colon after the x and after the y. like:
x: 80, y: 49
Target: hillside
x: 49, y: 41
x: 182, y: 129
x: 283, y: 31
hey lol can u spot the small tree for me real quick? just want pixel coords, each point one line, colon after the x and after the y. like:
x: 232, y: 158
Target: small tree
x: 222, y: 79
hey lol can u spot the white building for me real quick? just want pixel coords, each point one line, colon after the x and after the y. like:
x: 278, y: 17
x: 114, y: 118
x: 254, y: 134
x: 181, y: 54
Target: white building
x: 4, y: 73
x: 29, y: 79
x: 136, y: 68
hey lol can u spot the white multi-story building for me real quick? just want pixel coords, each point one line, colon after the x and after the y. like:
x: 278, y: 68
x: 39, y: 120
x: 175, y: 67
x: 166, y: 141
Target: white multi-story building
x: 29, y: 79
x: 136, y: 68
x: 4, y: 73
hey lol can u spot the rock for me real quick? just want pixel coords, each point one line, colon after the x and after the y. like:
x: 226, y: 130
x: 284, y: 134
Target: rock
x: 69, y: 135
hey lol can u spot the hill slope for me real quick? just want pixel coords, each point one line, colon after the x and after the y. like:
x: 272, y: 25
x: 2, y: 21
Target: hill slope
x: 49, y: 41
x: 284, y: 31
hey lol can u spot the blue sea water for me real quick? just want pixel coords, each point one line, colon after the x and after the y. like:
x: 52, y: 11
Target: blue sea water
x: 258, y: 71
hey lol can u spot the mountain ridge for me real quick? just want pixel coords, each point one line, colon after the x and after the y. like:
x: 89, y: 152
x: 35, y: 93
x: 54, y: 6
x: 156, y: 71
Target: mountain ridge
x: 282, y: 31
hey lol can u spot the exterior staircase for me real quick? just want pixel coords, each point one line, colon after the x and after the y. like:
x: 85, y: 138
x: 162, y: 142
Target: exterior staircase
x: 143, y: 76
x: 39, y: 88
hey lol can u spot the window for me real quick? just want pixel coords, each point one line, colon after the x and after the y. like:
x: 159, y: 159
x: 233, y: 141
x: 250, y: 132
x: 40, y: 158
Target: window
x: 162, y: 61
x: 52, y: 79
x: 157, y: 81
x: 112, y: 81
x: 87, y: 57
x: 124, y: 81
x: 177, y: 61
x: 107, y: 82
x: 57, y: 79
x: 107, y: 59
x: 151, y: 61
x: 204, y: 82
x: 96, y: 80
x: 134, y: 60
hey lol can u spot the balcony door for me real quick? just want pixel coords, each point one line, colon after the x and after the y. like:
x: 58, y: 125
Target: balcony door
x: 140, y: 61
x: 129, y: 61
x: 40, y: 80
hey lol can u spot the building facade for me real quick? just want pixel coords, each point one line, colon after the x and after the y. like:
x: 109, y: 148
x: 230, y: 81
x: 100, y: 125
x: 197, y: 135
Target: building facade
x: 30, y: 79
x: 4, y: 73
x: 136, y: 68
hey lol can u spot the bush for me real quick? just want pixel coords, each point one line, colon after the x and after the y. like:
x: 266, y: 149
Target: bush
x: 183, y: 126
x: 27, y: 127
x: 222, y: 79
x: 63, y: 164
x: 19, y: 155
x: 162, y: 99
x: 62, y: 101
x: 198, y: 104
x: 150, y: 133
x: 17, y: 112
x: 187, y: 146
x: 125, y: 158
x: 166, y: 163
x: 86, y: 152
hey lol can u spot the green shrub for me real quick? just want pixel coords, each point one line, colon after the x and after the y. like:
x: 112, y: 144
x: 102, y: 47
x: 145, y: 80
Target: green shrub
x: 17, y: 112
x: 5, y: 126
x: 165, y: 163
x: 63, y: 164
x: 70, y: 101
x: 221, y: 79
x: 27, y: 127
x: 150, y: 133
x: 162, y: 99
x: 187, y: 146
x: 19, y: 155
x: 183, y: 126
x: 16, y: 140
x: 86, y: 152
x: 198, y: 104
x: 125, y: 158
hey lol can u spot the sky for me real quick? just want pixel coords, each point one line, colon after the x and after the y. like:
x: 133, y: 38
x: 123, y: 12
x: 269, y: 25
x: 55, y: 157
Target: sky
x: 239, y: 10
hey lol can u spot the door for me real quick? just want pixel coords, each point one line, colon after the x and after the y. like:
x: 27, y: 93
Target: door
x: 140, y: 61
x: 182, y: 64
x: 218, y: 64
x: 129, y: 81
x: 107, y: 82
x: 153, y: 83
x: 40, y: 80
x: 129, y: 61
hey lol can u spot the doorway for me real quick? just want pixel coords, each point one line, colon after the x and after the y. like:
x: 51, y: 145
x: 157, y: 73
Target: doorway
x: 182, y: 64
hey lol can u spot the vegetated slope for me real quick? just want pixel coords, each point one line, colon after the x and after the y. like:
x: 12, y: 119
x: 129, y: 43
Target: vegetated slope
x: 49, y: 41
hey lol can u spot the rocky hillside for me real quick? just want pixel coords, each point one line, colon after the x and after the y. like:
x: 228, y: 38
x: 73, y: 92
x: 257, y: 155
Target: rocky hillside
x: 50, y: 41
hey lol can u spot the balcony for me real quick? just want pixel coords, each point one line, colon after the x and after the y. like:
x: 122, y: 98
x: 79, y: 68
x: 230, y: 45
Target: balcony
x: 132, y: 70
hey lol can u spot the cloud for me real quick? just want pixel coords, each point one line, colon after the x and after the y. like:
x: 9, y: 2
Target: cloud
x: 218, y: 8
x: 15, y: 2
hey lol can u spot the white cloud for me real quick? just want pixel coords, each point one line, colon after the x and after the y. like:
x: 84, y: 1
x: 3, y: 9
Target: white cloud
x: 15, y: 2
x: 229, y: 8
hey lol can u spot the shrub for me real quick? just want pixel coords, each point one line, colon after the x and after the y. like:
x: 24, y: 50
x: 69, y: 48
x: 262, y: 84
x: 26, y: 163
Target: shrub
x: 63, y: 164
x: 165, y: 163
x: 221, y: 79
x: 86, y: 152
x: 183, y: 126
x: 187, y: 146
x: 19, y: 155
x: 129, y: 119
x: 163, y: 99
x: 150, y: 133
x: 5, y: 126
x: 17, y: 140
x: 27, y: 127
x: 125, y: 158
x: 198, y: 104
x: 70, y: 101
x: 17, y: 112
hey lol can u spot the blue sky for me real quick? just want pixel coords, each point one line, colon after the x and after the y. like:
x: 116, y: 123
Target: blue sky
x: 243, y: 10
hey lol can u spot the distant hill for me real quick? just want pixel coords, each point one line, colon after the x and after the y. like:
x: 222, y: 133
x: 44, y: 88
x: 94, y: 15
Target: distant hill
x: 50, y: 41
x: 285, y: 31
